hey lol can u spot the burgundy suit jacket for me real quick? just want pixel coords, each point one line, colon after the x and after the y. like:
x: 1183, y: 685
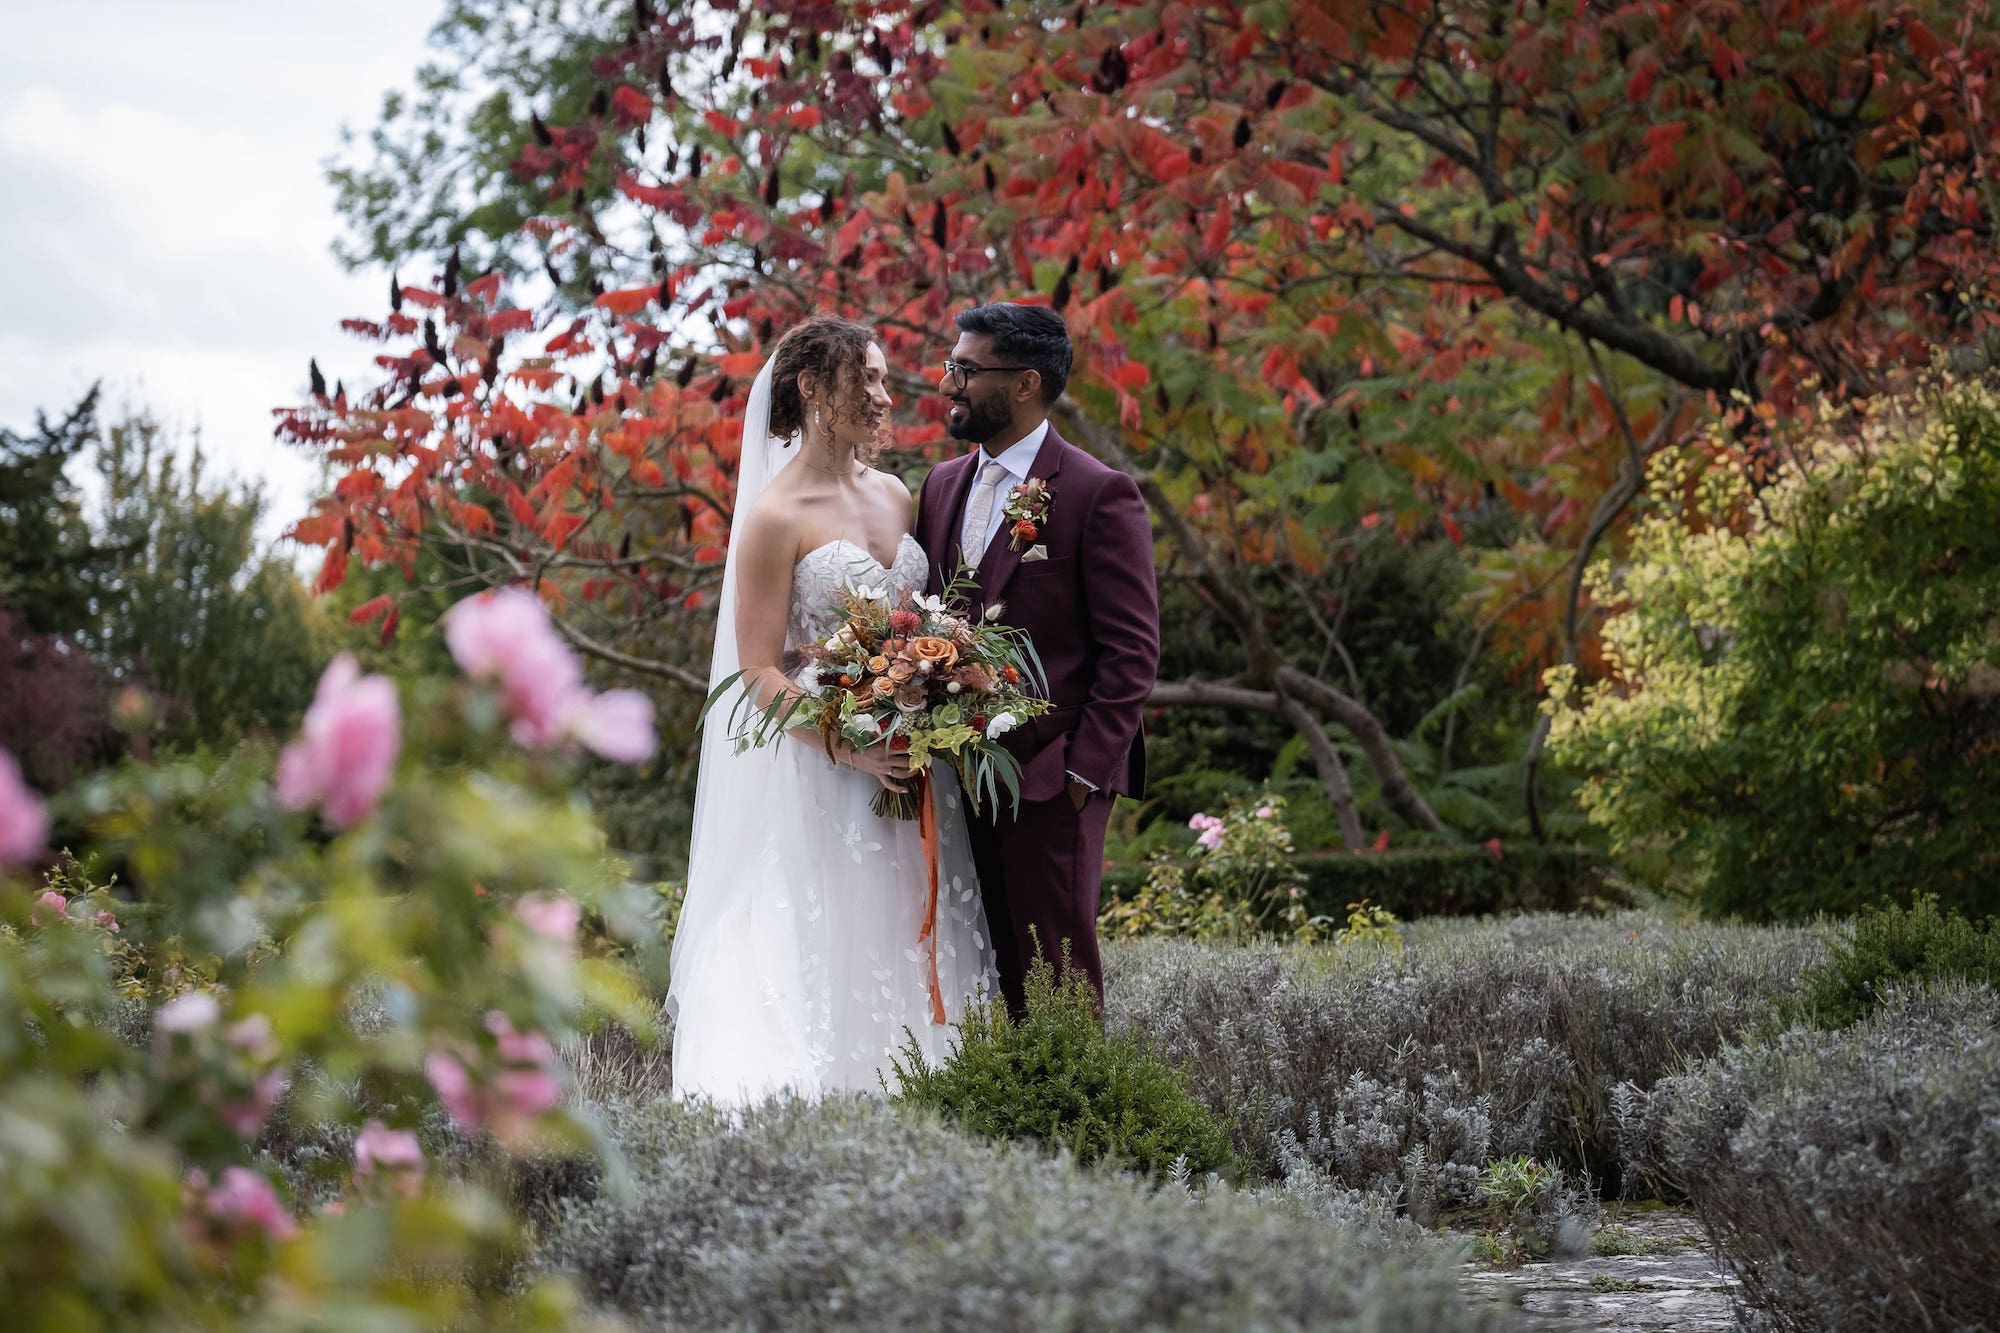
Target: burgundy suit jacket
x: 1091, y: 609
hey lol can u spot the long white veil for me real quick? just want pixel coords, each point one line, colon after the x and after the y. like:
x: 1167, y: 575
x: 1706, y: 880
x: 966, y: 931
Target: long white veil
x: 727, y: 785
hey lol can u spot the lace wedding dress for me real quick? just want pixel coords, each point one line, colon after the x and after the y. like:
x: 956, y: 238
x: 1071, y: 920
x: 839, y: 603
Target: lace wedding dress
x: 797, y: 966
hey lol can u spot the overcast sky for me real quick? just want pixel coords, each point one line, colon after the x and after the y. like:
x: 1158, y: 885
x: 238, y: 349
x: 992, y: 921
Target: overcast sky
x: 164, y: 221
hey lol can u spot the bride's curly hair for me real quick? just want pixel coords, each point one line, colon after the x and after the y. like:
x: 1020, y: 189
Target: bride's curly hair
x: 836, y: 351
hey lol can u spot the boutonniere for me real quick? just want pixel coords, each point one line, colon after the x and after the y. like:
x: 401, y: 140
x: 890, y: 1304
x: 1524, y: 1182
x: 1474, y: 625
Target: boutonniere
x: 1027, y: 510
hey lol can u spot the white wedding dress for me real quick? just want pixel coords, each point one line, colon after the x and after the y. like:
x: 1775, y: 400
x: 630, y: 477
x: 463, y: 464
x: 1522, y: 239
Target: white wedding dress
x: 797, y: 964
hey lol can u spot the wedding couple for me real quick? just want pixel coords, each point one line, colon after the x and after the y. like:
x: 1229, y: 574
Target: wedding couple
x: 797, y: 963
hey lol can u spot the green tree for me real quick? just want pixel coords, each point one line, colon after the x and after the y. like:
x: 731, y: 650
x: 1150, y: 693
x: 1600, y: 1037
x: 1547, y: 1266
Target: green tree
x: 220, y: 631
x: 48, y: 556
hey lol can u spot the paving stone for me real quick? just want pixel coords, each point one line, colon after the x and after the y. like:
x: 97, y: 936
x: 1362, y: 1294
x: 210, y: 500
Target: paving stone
x: 1681, y: 1290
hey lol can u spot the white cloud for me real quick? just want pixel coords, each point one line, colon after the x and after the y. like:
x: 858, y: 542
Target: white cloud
x: 167, y: 228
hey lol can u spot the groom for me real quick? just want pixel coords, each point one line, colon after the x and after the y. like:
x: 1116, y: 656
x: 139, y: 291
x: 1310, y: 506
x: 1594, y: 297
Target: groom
x: 1082, y: 589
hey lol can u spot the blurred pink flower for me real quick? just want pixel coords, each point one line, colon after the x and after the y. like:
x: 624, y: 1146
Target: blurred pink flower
x: 346, y: 751
x: 106, y: 921
x: 392, y: 1151
x: 553, y: 915
x: 245, y: 1119
x: 1211, y: 837
x: 1265, y: 812
x: 526, y: 1087
x: 617, y: 724
x: 1200, y: 822
x: 506, y: 636
x: 51, y: 906
x: 24, y: 822
x: 247, y: 1199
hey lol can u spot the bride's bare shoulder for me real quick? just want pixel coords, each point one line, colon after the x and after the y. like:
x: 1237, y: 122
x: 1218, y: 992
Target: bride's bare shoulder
x: 772, y: 524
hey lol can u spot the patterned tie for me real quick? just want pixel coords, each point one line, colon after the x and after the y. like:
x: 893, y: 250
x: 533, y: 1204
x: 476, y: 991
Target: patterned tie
x: 978, y: 512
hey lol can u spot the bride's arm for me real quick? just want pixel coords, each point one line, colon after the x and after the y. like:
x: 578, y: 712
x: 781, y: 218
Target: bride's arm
x: 766, y: 552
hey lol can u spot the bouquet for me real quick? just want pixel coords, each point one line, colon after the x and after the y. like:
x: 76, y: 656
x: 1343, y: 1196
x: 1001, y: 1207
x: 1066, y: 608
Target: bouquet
x: 921, y: 677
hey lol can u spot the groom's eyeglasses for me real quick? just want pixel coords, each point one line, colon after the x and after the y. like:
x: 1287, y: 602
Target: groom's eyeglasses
x: 958, y: 374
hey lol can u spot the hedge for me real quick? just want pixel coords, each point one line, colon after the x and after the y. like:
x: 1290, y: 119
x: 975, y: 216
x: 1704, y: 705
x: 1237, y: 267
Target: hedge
x: 1444, y: 881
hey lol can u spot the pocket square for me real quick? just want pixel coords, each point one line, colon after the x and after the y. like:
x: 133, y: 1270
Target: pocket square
x: 1034, y: 553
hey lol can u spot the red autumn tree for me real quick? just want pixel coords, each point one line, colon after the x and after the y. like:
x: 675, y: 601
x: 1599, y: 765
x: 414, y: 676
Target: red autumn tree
x: 1329, y: 265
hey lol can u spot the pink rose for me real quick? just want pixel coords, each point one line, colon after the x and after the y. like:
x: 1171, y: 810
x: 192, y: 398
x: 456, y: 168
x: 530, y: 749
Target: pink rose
x: 51, y: 906
x: 552, y: 915
x: 346, y: 751
x: 24, y: 822
x: 245, y: 1119
x: 106, y: 921
x: 1211, y: 837
x: 394, y: 1152
x: 1200, y: 822
x: 526, y: 1086
x: 246, y: 1199
x: 454, y: 1089
x: 505, y: 636
x: 1265, y: 812
x: 617, y: 724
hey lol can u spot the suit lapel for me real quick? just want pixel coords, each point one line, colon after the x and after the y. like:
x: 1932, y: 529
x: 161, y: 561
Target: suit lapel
x: 1003, y: 556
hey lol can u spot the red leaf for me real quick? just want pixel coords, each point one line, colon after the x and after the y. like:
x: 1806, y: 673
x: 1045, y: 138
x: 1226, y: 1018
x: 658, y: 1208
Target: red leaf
x: 741, y: 365
x: 630, y: 300
x: 1493, y: 846
x: 1132, y: 376
x: 1381, y: 844
x: 370, y: 609
x: 633, y: 107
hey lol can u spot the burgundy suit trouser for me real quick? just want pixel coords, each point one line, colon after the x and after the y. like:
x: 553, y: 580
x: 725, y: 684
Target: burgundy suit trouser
x: 1040, y: 873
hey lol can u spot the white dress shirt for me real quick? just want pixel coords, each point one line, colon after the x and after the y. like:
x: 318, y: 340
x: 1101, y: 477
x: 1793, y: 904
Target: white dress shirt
x: 1017, y: 459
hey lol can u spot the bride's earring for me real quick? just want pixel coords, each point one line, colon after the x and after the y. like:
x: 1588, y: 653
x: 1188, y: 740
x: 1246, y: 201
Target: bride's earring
x: 818, y: 434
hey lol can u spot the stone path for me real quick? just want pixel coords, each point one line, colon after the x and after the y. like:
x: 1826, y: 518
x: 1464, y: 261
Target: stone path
x: 1673, y: 1285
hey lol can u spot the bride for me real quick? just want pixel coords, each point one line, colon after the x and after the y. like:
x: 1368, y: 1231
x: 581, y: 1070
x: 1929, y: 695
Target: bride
x: 797, y: 963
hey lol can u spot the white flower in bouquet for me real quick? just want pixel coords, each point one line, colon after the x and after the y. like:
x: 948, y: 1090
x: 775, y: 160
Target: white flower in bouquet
x: 933, y: 605
x: 869, y: 592
x: 864, y: 724
x: 995, y: 611
x: 1000, y: 724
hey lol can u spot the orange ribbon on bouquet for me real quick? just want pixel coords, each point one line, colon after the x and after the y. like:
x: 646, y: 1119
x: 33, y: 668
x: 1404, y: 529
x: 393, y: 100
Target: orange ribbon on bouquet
x: 927, y: 833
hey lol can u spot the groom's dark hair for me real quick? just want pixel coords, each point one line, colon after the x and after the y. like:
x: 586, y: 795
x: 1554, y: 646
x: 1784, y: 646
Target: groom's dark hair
x: 1030, y: 335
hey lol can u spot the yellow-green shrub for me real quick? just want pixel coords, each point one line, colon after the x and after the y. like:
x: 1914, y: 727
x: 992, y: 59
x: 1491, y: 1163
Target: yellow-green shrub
x: 1804, y: 703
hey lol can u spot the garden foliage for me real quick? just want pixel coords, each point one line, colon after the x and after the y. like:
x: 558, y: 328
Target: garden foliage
x: 1805, y: 693
x: 1055, y: 1077
x: 854, y: 1214
x: 1847, y: 1177
x: 1408, y: 1072
x: 1896, y: 948
x: 380, y: 936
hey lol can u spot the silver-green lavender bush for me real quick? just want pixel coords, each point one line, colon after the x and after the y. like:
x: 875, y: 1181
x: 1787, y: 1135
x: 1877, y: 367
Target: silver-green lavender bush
x: 1410, y: 1071
x: 1852, y: 1178
x: 853, y: 1214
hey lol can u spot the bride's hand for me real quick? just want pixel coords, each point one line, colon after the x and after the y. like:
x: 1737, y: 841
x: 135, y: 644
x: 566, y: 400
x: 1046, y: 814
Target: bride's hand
x: 892, y: 770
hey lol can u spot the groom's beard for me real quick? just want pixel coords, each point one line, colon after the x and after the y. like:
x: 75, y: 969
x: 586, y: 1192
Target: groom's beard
x: 980, y: 423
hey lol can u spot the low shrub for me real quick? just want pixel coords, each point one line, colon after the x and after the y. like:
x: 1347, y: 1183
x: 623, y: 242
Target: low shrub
x: 1536, y: 1210
x: 1056, y: 1078
x: 1407, y: 1072
x: 1848, y: 1178
x: 1896, y: 947
x: 851, y: 1214
x: 1438, y: 881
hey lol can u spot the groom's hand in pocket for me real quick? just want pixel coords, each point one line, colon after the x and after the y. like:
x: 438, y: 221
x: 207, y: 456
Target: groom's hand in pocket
x: 1079, y: 793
